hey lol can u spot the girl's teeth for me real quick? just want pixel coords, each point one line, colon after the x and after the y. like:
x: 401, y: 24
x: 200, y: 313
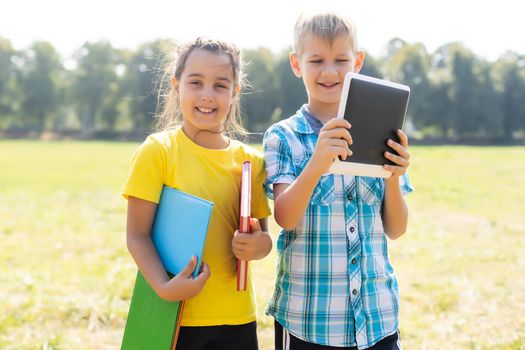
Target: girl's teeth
x: 205, y: 110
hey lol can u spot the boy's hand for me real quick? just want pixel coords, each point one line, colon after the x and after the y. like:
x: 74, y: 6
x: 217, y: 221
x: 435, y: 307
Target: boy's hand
x: 334, y: 140
x: 401, y: 159
x: 183, y: 285
x: 251, y: 246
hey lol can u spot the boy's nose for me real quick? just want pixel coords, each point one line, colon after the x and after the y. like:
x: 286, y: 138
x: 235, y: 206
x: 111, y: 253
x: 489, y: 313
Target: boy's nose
x: 330, y: 69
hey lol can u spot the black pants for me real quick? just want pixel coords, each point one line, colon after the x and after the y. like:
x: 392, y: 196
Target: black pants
x: 286, y: 341
x: 236, y: 337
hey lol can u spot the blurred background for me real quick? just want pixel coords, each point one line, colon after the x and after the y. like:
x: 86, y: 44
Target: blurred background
x: 78, y: 93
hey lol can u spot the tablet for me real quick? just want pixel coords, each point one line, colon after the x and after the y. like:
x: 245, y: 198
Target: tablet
x: 375, y: 108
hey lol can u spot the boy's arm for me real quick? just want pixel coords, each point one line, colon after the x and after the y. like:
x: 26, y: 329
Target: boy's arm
x: 395, y: 210
x: 291, y: 200
x: 138, y: 237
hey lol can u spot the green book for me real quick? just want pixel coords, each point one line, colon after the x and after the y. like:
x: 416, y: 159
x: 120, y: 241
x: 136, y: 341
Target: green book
x: 178, y: 233
x: 152, y: 321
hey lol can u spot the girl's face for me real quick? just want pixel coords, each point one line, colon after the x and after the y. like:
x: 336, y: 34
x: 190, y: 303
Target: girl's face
x: 206, y: 90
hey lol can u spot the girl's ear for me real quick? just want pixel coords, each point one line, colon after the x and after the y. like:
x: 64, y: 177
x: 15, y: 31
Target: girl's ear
x: 175, y: 84
x: 294, y: 63
x: 359, y: 61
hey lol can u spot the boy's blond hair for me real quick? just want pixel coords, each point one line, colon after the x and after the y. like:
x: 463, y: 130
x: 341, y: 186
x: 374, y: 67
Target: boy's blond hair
x: 327, y: 26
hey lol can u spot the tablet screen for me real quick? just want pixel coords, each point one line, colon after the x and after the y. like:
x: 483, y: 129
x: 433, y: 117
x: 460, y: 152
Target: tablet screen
x: 375, y: 112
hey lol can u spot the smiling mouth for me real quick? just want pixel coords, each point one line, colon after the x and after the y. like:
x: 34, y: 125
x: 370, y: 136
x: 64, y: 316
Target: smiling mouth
x: 204, y: 110
x: 328, y: 85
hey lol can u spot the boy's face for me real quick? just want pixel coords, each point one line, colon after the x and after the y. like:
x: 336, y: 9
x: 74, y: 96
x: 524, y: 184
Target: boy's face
x: 323, y: 68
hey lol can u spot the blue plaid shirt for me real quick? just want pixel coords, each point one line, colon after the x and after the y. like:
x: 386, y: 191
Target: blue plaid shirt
x: 335, y: 285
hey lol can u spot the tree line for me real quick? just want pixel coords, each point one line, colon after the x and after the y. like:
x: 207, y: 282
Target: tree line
x: 103, y: 91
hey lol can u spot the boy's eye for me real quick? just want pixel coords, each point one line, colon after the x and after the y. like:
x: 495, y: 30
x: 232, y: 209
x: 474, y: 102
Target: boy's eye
x: 316, y: 61
x: 342, y: 60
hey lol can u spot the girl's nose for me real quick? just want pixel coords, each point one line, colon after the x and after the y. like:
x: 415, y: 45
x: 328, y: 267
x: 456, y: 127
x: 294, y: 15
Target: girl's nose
x: 206, y: 99
x: 207, y: 96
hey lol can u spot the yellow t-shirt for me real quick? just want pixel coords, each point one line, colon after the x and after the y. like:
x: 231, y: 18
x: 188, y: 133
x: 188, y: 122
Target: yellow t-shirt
x: 171, y: 158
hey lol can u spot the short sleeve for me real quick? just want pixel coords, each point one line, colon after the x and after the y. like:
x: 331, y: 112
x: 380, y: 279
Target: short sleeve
x: 406, y: 186
x: 260, y: 206
x: 278, y: 160
x: 147, y: 172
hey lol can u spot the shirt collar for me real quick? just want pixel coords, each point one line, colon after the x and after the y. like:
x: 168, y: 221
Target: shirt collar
x: 301, y: 124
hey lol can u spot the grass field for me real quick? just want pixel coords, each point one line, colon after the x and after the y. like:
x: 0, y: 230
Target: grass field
x: 66, y: 276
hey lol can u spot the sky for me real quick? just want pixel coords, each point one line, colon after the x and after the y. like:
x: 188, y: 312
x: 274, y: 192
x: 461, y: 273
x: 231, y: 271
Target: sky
x: 488, y: 28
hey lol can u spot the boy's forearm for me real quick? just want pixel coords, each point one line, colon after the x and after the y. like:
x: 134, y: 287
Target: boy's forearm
x: 395, y: 210
x: 290, y: 205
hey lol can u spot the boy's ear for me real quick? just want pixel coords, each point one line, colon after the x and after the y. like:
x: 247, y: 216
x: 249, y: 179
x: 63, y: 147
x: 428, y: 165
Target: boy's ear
x: 359, y: 61
x: 175, y: 84
x: 294, y: 63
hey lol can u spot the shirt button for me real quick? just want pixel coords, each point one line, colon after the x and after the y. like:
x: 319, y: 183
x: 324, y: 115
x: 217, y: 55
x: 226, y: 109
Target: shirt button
x: 352, y: 229
x: 354, y: 260
x: 350, y: 197
x: 354, y: 292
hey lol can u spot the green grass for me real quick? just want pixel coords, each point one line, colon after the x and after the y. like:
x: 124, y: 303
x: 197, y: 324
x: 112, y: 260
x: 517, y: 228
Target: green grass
x: 66, y: 276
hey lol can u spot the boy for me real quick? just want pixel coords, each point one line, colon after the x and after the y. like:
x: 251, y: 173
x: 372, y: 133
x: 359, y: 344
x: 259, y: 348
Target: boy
x: 335, y: 286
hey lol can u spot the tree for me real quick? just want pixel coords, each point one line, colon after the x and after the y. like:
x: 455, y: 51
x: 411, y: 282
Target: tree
x: 260, y: 97
x: 96, y: 72
x: 509, y: 72
x: 290, y: 89
x: 8, y: 82
x: 39, y: 83
x: 371, y: 67
x: 142, y: 82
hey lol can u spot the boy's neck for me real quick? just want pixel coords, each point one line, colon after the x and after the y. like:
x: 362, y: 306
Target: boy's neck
x: 323, y: 112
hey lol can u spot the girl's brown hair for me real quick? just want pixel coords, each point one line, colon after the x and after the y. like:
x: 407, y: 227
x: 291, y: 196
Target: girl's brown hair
x: 168, y: 113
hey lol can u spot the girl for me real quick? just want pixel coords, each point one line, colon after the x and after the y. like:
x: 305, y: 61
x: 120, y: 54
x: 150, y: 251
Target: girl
x: 194, y: 154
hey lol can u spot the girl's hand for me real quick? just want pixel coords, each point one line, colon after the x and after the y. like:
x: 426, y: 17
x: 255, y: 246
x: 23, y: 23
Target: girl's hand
x: 401, y: 158
x: 251, y: 246
x: 183, y: 286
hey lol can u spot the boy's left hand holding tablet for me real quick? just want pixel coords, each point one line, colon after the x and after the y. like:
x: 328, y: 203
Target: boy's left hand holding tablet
x: 401, y: 158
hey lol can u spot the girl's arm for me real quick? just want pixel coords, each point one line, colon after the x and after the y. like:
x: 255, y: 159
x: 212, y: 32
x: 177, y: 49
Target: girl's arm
x: 255, y: 245
x: 138, y: 236
x: 395, y: 210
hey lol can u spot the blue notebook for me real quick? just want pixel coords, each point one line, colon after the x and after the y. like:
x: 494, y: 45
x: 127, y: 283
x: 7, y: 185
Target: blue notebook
x: 179, y: 229
x: 178, y: 233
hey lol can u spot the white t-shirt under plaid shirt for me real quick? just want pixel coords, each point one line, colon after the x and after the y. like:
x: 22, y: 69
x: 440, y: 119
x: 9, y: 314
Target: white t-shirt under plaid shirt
x: 335, y: 285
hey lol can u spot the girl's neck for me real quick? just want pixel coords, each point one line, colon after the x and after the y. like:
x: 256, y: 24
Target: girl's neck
x: 323, y: 111
x: 207, y: 138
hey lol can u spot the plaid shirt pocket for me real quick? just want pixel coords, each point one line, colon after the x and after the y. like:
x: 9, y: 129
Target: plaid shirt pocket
x: 371, y: 190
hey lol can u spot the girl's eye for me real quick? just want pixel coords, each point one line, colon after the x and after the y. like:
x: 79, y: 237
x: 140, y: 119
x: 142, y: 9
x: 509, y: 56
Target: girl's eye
x: 195, y: 82
x: 221, y: 86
